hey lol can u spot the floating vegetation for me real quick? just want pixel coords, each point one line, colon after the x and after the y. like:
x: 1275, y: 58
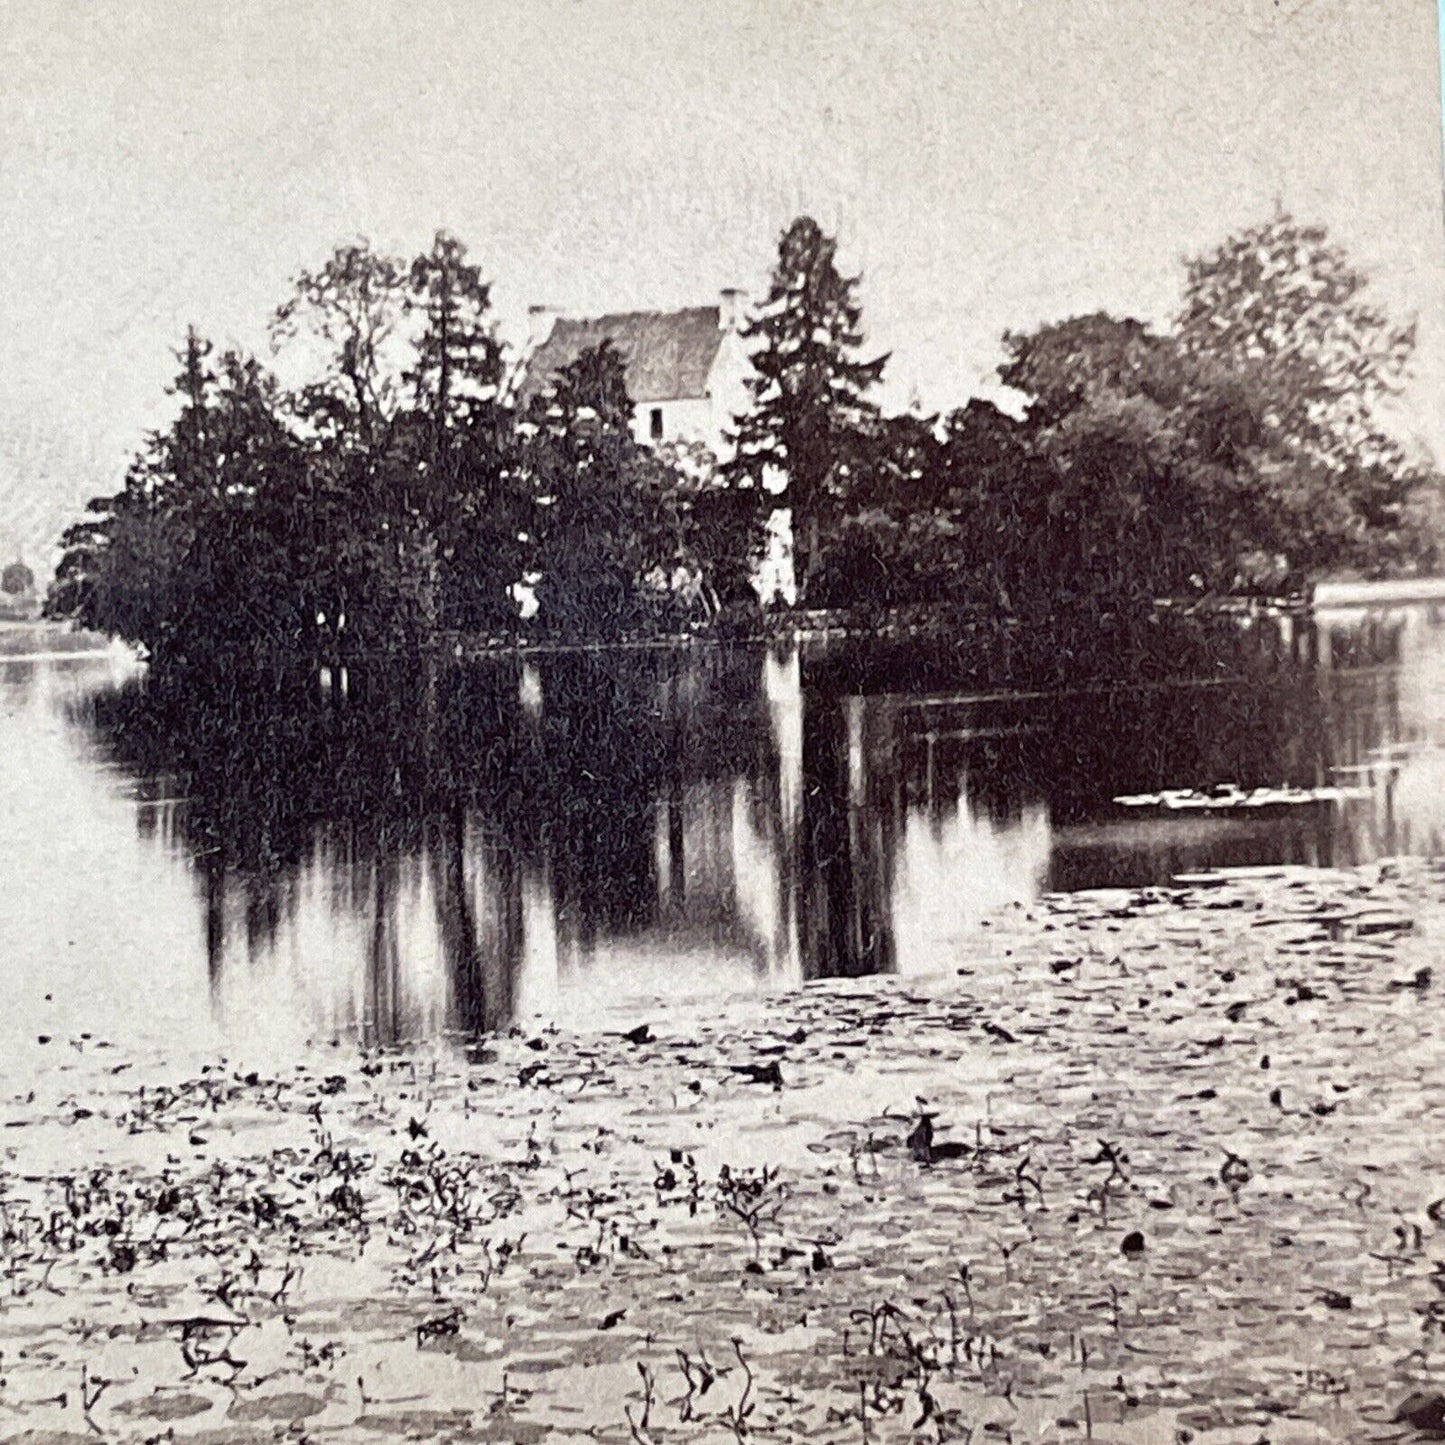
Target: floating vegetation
x: 1145, y: 1166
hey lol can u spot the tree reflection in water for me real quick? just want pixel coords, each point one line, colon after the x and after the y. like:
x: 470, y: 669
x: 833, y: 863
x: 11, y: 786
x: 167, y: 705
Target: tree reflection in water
x: 427, y: 847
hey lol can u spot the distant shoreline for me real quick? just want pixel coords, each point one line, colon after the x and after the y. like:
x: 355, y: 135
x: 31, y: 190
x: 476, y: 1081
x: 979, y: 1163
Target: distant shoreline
x: 22, y: 639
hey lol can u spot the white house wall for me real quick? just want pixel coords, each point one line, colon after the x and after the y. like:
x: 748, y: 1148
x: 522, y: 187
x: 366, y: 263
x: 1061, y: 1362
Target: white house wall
x: 707, y: 419
x: 726, y: 384
x: 690, y: 419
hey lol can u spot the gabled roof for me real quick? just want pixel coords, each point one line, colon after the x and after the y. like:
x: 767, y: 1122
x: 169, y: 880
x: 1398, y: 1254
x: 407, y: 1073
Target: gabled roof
x: 668, y: 354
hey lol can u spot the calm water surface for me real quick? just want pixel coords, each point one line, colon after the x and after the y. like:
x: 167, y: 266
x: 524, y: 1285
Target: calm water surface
x: 388, y: 855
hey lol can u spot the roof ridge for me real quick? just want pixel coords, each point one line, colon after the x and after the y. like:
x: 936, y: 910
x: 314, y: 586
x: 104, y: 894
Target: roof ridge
x: 668, y: 355
x: 635, y: 315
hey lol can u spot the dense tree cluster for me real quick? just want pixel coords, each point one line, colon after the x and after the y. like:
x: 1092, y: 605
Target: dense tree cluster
x: 401, y: 490
x: 1241, y: 451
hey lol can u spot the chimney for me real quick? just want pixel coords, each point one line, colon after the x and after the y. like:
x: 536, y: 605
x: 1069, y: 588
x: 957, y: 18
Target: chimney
x: 732, y: 308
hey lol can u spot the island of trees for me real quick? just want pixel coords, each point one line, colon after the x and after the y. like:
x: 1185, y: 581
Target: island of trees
x: 400, y: 492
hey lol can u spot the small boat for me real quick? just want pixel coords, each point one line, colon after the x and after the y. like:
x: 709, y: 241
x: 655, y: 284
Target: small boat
x: 1230, y: 798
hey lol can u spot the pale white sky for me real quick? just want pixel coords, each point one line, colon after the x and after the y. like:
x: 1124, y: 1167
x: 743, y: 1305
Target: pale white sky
x: 986, y: 163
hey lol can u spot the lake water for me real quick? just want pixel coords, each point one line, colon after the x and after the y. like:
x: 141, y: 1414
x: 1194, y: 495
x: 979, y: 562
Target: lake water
x: 385, y: 856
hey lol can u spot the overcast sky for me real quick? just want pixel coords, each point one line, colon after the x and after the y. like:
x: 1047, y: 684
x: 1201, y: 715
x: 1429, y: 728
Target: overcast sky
x: 986, y: 164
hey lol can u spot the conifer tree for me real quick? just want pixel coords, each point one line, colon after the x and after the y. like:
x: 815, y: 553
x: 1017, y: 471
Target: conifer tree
x: 458, y: 366
x: 458, y: 449
x: 809, y: 388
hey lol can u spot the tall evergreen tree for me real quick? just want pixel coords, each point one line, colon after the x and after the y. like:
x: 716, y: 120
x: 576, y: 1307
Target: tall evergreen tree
x: 195, y: 553
x: 809, y: 389
x: 461, y: 468
x: 457, y: 372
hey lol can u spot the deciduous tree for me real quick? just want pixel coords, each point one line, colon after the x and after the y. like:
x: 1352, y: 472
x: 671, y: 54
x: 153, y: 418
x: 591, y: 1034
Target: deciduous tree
x: 1284, y: 316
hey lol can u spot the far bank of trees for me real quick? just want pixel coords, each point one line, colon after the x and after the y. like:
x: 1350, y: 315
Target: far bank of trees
x: 400, y: 490
x: 1240, y: 451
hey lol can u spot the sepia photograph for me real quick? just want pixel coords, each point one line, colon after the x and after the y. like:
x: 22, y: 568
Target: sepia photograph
x: 722, y: 722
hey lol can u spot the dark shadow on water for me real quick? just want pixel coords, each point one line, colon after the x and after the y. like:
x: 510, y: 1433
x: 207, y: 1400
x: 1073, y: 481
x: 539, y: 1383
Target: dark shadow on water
x: 518, y: 829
